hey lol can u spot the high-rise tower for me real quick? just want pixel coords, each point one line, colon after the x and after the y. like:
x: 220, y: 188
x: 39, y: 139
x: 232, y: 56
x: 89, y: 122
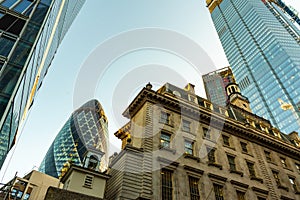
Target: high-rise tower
x: 263, y: 47
x: 85, y: 134
x: 30, y: 33
x: 215, y: 85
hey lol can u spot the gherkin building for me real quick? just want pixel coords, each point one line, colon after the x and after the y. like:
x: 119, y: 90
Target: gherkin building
x: 85, y: 131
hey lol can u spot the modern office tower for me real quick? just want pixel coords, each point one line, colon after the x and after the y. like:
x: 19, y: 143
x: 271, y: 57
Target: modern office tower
x: 178, y: 145
x: 30, y: 33
x: 215, y: 83
x: 263, y: 47
x: 85, y: 134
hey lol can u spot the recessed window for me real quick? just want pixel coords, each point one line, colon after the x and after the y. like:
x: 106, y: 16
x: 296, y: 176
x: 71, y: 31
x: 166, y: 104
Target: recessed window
x: 165, y: 117
x: 231, y: 160
x: 283, y: 162
x: 244, y: 147
x: 225, y: 140
x: 240, y: 195
x: 88, y: 181
x: 165, y: 140
x: 194, y: 188
x: 293, y: 183
x: 297, y: 167
x: 206, y: 133
x: 268, y: 156
x: 251, y: 169
x: 186, y: 125
x: 211, y: 155
x: 276, y: 177
x: 188, y: 147
x: 219, y: 192
x: 166, y: 184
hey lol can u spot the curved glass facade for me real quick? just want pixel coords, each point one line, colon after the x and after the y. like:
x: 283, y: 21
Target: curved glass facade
x: 85, y: 131
x: 263, y: 48
x: 30, y: 33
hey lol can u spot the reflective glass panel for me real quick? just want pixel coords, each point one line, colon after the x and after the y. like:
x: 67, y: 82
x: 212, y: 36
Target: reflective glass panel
x: 6, y: 45
x: 22, y: 6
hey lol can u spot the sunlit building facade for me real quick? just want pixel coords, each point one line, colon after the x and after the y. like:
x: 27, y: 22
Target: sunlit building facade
x: 85, y: 131
x: 263, y: 47
x: 30, y: 33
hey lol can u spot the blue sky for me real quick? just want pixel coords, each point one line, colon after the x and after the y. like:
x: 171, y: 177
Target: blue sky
x: 102, y: 21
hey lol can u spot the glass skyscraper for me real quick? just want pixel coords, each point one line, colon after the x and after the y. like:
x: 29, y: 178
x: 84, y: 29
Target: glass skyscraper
x: 263, y: 47
x: 215, y: 83
x: 30, y: 33
x: 85, y: 131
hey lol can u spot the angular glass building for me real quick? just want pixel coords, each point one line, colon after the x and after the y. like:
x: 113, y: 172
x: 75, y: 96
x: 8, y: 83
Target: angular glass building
x: 85, y: 132
x: 30, y: 33
x: 263, y: 47
x: 215, y: 83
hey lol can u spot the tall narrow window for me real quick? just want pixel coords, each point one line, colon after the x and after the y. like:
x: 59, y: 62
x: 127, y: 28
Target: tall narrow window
x: 244, y: 147
x: 194, y: 188
x: 276, y: 177
x: 165, y: 140
x: 188, y: 147
x: 166, y: 184
x: 219, y: 193
x: 268, y: 156
x: 231, y: 160
x: 225, y: 140
x: 283, y: 162
x: 186, y: 125
x: 206, y: 133
x: 211, y: 154
x: 165, y: 117
x: 251, y: 169
x: 240, y: 195
x: 293, y: 183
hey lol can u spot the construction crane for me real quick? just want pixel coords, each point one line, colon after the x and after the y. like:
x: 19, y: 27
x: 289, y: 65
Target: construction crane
x: 288, y: 10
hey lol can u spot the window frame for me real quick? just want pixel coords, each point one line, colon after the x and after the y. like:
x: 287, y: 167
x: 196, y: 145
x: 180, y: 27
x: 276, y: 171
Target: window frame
x: 244, y: 144
x: 219, y: 191
x: 226, y: 142
x: 187, y: 148
x: 165, y: 117
x: 194, y: 188
x: 163, y: 141
x: 186, y: 125
x: 167, y: 184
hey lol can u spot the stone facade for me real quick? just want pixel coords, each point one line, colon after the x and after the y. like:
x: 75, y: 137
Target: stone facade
x: 205, y: 149
x: 61, y: 194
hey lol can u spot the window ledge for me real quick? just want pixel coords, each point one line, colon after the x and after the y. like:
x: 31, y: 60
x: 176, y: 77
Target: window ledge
x: 288, y: 169
x: 168, y: 124
x: 272, y: 162
x: 237, y: 172
x: 228, y: 146
x: 215, y: 165
x: 186, y: 155
x: 167, y: 149
x: 283, y: 187
x: 209, y: 139
x: 247, y: 153
x: 256, y: 179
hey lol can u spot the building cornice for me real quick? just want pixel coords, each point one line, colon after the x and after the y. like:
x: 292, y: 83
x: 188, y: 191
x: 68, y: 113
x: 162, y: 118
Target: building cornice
x: 214, y: 119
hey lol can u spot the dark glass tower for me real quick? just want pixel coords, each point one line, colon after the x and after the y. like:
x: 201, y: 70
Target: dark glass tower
x: 85, y: 132
x: 215, y: 85
x: 263, y: 47
x: 30, y: 33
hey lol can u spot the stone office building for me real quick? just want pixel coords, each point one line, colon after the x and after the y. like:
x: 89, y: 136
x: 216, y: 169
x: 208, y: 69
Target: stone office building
x: 178, y: 145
